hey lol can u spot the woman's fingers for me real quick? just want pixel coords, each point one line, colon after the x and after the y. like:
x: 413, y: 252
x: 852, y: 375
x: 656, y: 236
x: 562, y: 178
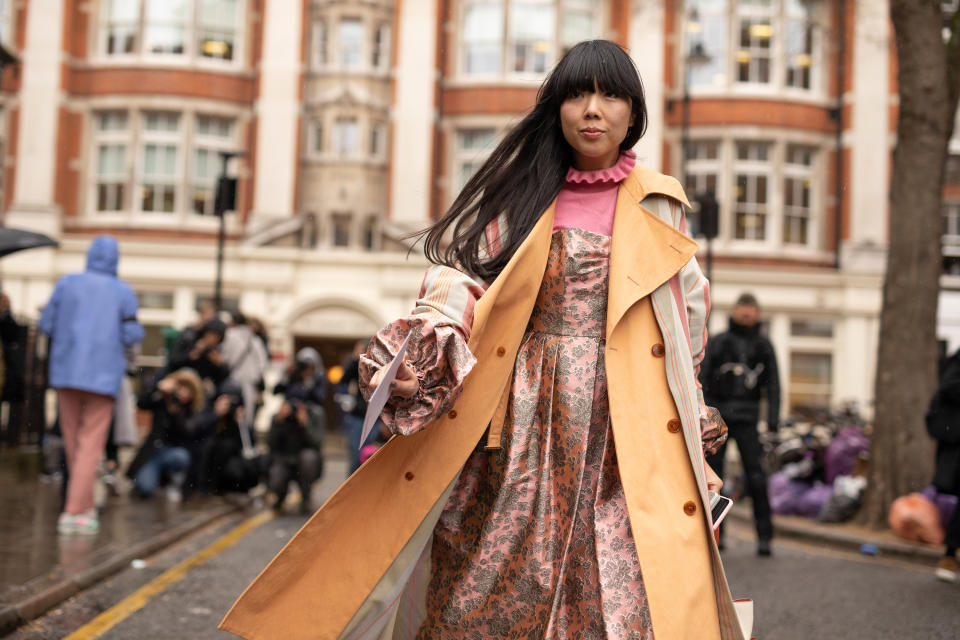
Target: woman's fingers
x: 713, y: 480
x: 406, y: 383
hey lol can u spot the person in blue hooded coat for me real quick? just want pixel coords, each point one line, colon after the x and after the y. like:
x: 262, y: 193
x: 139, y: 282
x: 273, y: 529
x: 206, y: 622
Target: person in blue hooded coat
x: 90, y: 318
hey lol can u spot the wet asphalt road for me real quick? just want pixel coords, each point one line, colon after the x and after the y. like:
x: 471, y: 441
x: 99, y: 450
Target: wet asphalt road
x: 802, y: 592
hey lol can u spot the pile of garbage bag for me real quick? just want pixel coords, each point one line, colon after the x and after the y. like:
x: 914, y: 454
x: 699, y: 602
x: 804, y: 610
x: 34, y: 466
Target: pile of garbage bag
x: 817, y: 469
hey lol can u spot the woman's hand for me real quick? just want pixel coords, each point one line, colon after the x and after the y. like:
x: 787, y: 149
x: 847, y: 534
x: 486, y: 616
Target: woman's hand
x: 713, y: 480
x: 404, y: 385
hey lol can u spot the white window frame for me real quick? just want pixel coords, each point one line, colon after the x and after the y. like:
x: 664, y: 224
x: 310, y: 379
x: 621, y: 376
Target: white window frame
x: 799, y: 172
x: 337, y: 148
x: 363, y: 62
x: 214, y: 144
x: 191, y: 55
x: 779, y: 18
x: 135, y: 139
x: 113, y: 137
x: 164, y: 138
x: 474, y: 156
x: 507, y: 49
x: 753, y: 169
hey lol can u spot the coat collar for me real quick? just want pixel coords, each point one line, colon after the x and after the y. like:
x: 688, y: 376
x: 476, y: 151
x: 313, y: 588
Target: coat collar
x: 646, y: 250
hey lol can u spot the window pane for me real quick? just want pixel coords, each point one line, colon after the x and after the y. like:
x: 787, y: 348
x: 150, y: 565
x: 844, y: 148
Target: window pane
x: 579, y: 22
x: 811, y: 377
x: 217, y: 28
x: 341, y: 230
x: 381, y: 47
x: 347, y: 136
x: 161, y: 121
x: 351, y: 43
x: 532, y: 28
x: 482, y: 37
x: 811, y: 328
x: 165, y: 26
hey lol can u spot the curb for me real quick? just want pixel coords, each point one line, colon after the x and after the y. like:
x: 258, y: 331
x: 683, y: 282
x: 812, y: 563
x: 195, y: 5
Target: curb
x: 818, y: 533
x: 45, y: 598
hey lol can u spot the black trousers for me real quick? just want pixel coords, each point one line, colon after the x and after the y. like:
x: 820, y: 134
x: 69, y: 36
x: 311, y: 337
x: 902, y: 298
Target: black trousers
x: 305, y: 471
x: 952, y: 538
x: 751, y: 452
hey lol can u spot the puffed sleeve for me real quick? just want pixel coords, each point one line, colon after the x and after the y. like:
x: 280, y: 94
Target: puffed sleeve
x: 439, y: 328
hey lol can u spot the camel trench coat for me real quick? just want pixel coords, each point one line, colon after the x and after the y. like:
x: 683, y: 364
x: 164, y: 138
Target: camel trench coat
x: 358, y: 568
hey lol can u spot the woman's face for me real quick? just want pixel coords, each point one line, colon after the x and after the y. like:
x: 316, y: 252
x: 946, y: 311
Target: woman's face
x: 594, y: 124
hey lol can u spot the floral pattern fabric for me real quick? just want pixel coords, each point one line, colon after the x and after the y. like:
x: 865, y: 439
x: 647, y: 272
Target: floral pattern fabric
x: 535, y: 540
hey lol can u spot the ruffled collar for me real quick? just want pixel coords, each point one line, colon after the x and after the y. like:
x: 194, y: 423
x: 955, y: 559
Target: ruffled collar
x: 613, y: 174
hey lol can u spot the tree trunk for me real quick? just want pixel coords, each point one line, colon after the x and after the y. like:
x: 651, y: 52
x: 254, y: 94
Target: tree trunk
x: 901, y: 458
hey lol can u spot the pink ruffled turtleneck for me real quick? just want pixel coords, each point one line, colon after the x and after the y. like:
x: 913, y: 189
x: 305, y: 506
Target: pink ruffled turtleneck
x: 588, y: 199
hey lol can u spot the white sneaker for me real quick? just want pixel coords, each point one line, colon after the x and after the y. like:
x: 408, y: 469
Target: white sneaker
x: 86, y: 523
x: 174, y: 495
x: 65, y: 523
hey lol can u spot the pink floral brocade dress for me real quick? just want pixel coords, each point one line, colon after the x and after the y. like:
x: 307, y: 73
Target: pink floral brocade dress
x: 535, y: 540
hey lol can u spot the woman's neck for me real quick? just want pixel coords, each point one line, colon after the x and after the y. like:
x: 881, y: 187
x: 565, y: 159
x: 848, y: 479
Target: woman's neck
x: 586, y: 163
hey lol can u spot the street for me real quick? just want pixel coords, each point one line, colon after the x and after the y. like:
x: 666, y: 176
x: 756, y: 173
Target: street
x: 802, y: 592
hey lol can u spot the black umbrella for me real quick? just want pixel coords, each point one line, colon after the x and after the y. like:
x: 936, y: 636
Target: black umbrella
x: 13, y: 240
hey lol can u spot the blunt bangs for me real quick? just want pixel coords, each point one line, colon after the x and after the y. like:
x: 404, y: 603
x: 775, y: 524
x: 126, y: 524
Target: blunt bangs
x: 603, y: 65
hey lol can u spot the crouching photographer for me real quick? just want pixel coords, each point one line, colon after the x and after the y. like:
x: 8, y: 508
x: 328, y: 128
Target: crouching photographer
x: 231, y: 465
x: 295, y: 441
x: 166, y: 453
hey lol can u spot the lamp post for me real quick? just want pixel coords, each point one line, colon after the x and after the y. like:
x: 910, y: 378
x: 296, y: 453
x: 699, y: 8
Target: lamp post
x: 696, y: 54
x: 225, y: 200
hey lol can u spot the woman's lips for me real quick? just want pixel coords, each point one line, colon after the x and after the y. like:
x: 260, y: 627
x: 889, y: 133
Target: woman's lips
x: 591, y: 134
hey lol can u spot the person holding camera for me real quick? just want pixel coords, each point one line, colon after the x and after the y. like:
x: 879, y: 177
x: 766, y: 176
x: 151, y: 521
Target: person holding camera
x: 229, y: 466
x: 295, y: 441
x: 200, y: 351
x: 166, y: 451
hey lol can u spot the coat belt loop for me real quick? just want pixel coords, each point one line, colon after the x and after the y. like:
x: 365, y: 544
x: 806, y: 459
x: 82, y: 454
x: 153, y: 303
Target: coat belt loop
x: 495, y: 430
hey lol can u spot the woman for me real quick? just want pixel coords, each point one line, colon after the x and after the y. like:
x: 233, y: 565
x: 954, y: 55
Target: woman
x: 505, y: 510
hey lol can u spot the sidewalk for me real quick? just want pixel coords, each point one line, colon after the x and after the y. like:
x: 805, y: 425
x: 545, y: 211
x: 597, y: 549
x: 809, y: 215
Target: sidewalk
x: 846, y: 536
x: 39, y: 569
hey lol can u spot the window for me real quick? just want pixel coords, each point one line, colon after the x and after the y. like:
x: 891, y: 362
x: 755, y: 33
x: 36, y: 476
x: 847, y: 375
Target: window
x: 532, y: 26
x: 755, y: 28
x: 175, y: 157
x: 121, y: 21
x: 165, y: 26
x: 158, y: 163
x: 346, y: 137
x: 317, y: 137
x: 155, y: 299
x: 799, y: 42
x: 212, y: 135
x: 752, y: 174
x: 522, y: 37
x: 702, y: 173
x: 811, y: 328
x: 811, y: 380
x: 319, y: 44
x: 351, y: 43
x: 380, y: 58
x: 111, y: 134
x: 482, y: 37
x: 340, y: 231
x: 473, y: 146
x: 754, y: 42
x: 370, y: 233
x: 172, y: 29
x: 798, y: 177
x: 378, y: 140
x: 951, y: 238
x: 217, y: 29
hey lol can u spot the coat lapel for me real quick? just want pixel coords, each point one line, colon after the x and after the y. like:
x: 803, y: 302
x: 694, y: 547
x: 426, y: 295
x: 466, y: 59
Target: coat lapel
x: 646, y: 251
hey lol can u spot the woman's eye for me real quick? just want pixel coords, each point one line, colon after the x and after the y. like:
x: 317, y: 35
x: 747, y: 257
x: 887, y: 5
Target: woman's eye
x: 612, y: 95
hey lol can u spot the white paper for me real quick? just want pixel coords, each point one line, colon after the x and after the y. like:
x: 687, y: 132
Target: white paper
x: 378, y: 400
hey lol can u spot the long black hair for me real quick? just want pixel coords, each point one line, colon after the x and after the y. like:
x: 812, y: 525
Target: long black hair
x: 524, y: 173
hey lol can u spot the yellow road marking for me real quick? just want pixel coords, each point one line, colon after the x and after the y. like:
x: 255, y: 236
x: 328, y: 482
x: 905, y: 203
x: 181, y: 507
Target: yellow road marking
x: 136, y: 600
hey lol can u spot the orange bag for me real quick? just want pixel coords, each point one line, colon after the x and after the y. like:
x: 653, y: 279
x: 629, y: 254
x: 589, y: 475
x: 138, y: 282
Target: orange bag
x: 914, y: 517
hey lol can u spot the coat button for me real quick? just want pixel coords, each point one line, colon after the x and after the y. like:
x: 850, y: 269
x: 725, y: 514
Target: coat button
x: 501, y: 351
x: 674, y: 426
x: 408, y: 475
x: 658, y: 351
x: 452, y: 414
x: 689, y: 508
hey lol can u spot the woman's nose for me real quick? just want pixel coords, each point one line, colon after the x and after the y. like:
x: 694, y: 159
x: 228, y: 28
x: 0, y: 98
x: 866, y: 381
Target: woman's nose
x: 592, y: 107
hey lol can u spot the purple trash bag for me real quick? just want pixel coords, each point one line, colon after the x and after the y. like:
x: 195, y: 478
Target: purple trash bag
x: 843, y: 451
x: 811, y: 502
x: 946, y: 504
x: 785, y: 494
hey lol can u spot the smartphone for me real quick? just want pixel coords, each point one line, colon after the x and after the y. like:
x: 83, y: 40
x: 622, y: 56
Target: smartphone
x: 719, y: 506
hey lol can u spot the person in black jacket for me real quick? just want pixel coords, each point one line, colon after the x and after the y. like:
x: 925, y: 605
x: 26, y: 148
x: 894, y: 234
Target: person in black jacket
x: 943, y: 424
x: 739, y: 368
x: 166, y: 453
x: 200, y: 351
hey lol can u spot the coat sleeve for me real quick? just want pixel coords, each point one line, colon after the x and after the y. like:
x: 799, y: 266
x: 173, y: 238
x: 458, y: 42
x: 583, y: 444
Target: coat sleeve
x: 696, y: 295
x: 772, y: 384
x: 48, y: 318
x: 439, y: 326
x: 131, y: 331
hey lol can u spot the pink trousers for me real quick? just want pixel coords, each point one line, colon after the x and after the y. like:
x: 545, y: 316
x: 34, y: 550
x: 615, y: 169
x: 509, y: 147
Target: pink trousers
x: 85, y: 423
